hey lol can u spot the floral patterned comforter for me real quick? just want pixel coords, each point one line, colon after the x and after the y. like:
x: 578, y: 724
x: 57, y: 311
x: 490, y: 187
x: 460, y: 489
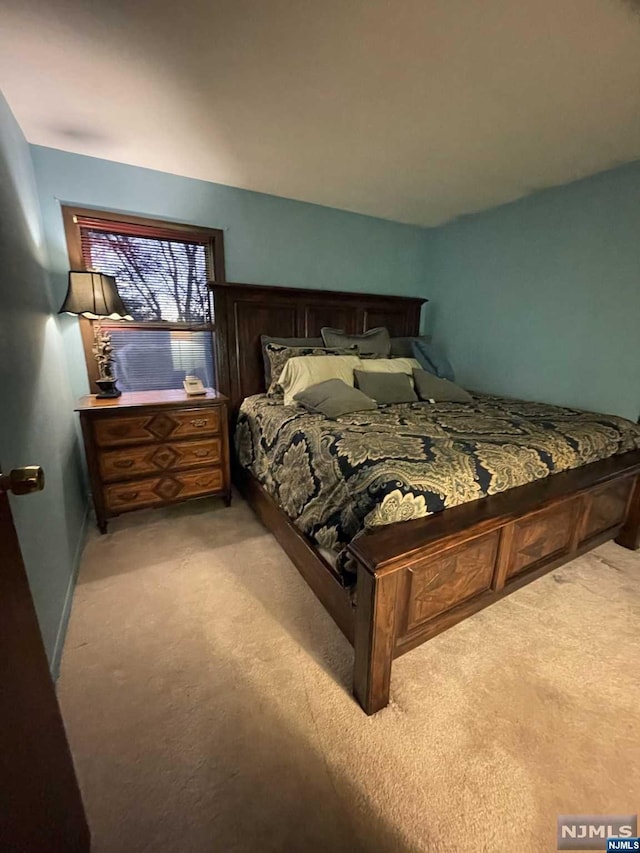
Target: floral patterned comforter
x: 336, y: 478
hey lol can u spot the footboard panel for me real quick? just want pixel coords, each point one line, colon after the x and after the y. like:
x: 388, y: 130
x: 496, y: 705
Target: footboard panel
x: 434, y: 585
x: 448, y: 585
x: 541, y: 537
x: 605, y: 510
x: 454, y: 565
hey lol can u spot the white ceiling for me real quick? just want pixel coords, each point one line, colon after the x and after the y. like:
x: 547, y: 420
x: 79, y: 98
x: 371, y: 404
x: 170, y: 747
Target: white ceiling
x: 413, y: 110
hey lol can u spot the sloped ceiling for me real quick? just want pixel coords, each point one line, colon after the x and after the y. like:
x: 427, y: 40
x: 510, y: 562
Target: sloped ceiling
x: 411, y: 110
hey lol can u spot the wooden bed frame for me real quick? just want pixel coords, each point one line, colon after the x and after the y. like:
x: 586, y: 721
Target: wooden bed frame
x: 417, y: 578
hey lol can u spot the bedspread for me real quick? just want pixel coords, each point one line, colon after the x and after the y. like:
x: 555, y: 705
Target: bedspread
x: 336, y: 478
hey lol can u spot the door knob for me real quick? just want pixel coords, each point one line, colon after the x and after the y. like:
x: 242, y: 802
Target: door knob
x: 23, y: 481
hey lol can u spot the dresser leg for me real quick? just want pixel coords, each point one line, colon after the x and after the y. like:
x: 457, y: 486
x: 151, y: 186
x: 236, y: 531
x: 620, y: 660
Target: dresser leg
x: 227, y: 499
x: 102, y: 526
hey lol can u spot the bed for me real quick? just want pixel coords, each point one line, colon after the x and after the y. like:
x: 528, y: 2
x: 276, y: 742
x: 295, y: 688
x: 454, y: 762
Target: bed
x: 502, y: 491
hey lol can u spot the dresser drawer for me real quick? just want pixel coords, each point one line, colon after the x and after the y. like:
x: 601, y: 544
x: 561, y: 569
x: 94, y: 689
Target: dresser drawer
x: 153, y: 448
x: 164, y: 489
x: 156, y: 426
x: 155, y: 458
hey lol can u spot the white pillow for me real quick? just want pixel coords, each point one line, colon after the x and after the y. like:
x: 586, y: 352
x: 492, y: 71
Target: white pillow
x: 390, y: 365
x: 302, y: 371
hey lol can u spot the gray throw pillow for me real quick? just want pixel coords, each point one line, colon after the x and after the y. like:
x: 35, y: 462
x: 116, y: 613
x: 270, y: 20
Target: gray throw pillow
x: 334, y: 398
x: 386, y: 387
x: 287, y: 342
x: 430, y: 387
x: 403, y: 347
x: 374, y: 342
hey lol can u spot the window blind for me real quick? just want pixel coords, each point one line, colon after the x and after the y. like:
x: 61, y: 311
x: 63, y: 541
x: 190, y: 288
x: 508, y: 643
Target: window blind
x: 162, y: 277
x: 158, y: 359
x: 158, y: 278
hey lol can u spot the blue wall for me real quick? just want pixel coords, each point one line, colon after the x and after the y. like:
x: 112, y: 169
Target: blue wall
x: 538, y: 299
x: 268, y: 240
x: 541, y: 298
x: 37, y: 419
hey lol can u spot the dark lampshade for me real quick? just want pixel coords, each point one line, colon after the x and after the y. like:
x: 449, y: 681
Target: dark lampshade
x: 94, y: 295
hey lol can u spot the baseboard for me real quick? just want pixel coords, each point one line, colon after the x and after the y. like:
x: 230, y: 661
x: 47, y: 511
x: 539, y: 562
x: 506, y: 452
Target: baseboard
x: 54, y: 665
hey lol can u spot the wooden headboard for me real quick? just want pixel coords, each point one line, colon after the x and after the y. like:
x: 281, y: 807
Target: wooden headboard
x: 243, y: 312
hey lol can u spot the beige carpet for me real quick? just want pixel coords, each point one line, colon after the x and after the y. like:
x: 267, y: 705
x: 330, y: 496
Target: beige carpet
x: 207, y: 698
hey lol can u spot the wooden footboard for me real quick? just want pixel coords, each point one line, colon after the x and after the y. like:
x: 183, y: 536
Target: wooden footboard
x: 418, y: 578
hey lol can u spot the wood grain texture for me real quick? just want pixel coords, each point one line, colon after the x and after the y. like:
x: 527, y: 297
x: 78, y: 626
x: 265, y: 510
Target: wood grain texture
x: 134, y: 457
x: 542, y: 535
x: 244, y: 312
x: 172, y: 398
x: 607, y: 508
x: 432, y: 627
x: 503, y: 557
x: 375, y: 638
x: 149, y: 459
x: 438, y: 583
x: 157, y: 425
x: 629, y: 535
x: 158, y: 491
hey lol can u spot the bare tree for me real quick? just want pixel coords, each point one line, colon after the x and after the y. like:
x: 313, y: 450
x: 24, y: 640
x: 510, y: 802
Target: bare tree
x: 158, y: 279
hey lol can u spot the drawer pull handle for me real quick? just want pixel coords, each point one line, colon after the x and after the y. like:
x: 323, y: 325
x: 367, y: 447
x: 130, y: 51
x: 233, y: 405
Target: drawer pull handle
x: 123, y: 463
x: 199, y: 422
x: 201, y: 453
x: 128, y: 496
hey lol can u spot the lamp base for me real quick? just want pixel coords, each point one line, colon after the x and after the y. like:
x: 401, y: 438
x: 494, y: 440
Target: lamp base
x: 108, y: 389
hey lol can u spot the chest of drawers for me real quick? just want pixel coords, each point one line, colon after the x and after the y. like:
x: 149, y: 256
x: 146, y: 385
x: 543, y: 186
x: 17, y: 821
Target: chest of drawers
x: 153, y: 448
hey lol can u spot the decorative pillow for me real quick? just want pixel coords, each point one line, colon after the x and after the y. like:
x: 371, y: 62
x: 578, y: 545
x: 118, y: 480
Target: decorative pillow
x: 390, y: 365
x: 386, y: 387
x: 278, y: 355
x: 403, y: 347
x: 308, y: 343
x: 432, y: 359
x: 430, y: 387
x: 374, y: 342
x: 301, y: 372
x: 333, y: 398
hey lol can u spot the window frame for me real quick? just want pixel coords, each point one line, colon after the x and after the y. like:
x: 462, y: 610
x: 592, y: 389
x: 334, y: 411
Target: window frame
x: 213, y: 238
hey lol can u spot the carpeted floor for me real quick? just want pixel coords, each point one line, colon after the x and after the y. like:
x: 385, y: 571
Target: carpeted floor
x: 207, y: 699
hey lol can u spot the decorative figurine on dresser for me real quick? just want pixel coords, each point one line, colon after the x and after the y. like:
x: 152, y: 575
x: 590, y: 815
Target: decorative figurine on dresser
x: 153, y: 448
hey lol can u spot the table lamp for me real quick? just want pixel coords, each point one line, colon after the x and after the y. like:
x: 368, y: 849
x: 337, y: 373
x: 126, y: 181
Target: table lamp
x: 94, y: 295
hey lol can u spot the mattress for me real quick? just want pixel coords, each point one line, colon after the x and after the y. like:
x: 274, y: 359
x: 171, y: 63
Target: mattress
x: 336, y: 478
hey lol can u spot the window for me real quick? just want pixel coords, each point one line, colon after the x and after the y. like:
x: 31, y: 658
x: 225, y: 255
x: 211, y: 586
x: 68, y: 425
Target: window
x: 162, y: 271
